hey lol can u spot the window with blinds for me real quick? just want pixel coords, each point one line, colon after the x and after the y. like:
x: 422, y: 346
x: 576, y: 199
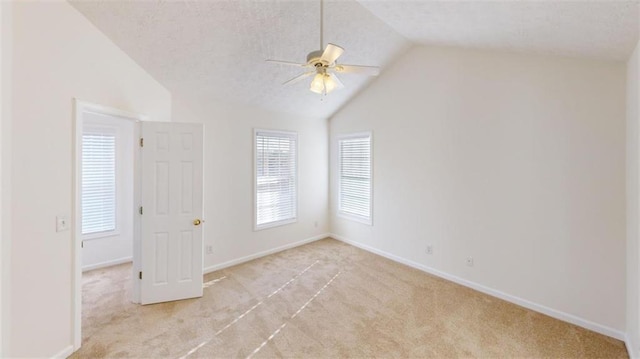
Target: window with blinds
x: 98, y: 183
x: 354, y: 188
x: 276, y: 178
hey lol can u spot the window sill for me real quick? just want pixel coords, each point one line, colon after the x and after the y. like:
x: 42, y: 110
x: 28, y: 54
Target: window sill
x: 274, y: 224
x: 100, y: 235
x: 364, y: 220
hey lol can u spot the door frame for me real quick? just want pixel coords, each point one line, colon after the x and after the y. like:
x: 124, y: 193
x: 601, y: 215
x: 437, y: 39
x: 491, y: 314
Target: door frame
x: 79, y: 107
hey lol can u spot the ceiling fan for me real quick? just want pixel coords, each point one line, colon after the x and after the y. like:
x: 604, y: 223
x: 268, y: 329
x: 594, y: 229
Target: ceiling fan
x: 323, y: 65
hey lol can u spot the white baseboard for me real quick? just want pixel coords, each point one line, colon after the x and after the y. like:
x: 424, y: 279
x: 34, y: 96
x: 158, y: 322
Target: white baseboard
x: 233, y: 262
x: 107, y: 264
x: 628, y: 342
x: 64, y: 353
x: 570, y: 318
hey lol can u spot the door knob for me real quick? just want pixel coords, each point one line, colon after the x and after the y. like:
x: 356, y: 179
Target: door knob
x: 197, y: 222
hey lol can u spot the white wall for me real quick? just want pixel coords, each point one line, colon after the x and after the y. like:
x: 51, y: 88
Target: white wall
x: 5, y: 172
x: 2, y: 104
x: 57, y: 55
x: 633, y: 184
x: 514, y: 160
x: 114, y: 248
x: 228, y: 188
x: 3, y: 119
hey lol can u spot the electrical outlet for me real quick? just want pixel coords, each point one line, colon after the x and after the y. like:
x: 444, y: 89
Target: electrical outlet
x: 429, y: 249
x: 209, y: 249
x: 470, y: 261
x: 62, y: 223
x: 315, y: 224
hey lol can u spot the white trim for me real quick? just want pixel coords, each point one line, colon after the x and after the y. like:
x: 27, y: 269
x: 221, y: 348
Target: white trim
x: 64, y: 353
x: 107, y: 264
x: 340, y: 213
x: 101, y: 235
x: 283, y: 222
x: 566, y: 317
x: 137, y: 199
x: 250, y: 257
x: 629, y: 344
x: 105, y: 110
x: 79, y: 107
x: 273, y: 224
x: 354, y: 217
x: 6, y: 118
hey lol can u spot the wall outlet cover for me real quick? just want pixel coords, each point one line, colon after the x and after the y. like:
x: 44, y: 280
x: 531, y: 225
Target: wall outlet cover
x: 470, y: 261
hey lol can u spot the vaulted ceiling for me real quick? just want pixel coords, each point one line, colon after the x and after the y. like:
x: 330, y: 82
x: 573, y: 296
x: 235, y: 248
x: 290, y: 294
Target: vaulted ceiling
x: 602, y: 29
x: 216, y: 48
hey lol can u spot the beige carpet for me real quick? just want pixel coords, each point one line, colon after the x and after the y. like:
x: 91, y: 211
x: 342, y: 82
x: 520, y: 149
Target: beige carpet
x: 324, y: 300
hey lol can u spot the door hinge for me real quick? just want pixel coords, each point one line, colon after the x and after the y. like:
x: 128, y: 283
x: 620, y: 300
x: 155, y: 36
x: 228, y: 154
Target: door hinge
x: 140, y: 210
x: 141, y: 142
x: 140, y: 275
x: 82, y: 244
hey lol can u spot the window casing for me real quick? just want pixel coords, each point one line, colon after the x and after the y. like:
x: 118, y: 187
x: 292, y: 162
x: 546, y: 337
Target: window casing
x: 99, y: 183
x: 276, y: 177
x: 355, y: 181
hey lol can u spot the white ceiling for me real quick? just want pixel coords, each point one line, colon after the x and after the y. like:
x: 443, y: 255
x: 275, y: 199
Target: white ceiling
x: 605, y: 29
x: 216, y: 48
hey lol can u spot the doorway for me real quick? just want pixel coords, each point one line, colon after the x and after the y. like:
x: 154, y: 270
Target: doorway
x: 165, y: 216
x: 106, y: 190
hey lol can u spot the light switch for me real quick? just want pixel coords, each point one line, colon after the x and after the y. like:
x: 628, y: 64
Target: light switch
x: 62, y: 223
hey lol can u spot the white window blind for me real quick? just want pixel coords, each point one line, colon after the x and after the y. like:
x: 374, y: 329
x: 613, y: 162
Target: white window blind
x: 98, y: 183
x: 354, y: 192
x: 276, y: 178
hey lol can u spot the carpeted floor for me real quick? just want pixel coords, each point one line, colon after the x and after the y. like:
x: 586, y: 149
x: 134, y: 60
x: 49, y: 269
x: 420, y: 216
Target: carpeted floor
x: 324, y: 300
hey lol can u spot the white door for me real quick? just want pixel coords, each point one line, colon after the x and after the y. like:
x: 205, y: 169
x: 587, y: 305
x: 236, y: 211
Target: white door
x: 171, y: 229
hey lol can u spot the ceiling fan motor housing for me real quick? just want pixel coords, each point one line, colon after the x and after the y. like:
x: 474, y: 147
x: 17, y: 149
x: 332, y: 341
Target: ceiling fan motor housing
x: 314, y: 59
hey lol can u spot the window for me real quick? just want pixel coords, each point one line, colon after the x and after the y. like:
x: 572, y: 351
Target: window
x: 98, y: 183
x: 276, y: 178
x: 354, y: 171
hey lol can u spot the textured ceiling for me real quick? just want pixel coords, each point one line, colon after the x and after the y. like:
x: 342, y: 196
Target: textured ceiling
x: 605, y: 29
x: 216, y: 48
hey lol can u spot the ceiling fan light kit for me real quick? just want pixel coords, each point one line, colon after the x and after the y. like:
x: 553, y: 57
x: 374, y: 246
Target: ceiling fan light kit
x: 322, y: 84
x: 323, y: 65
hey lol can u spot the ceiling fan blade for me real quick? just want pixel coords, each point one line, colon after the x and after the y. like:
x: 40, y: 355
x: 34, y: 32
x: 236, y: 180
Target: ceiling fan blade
x: 299, y: 78
x: 335, y: 79
x: 288, y: 63
x: 357, y: 69
x: 331, y: 53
